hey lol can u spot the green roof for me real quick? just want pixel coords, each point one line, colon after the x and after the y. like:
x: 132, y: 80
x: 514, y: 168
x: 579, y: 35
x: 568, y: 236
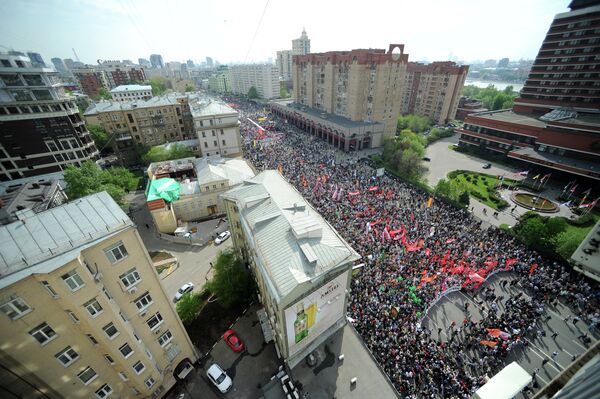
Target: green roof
x: 165, y: 188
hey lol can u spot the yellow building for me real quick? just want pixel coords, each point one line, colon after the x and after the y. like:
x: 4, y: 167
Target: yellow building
x: 300, y: 263
x: 83, y: 311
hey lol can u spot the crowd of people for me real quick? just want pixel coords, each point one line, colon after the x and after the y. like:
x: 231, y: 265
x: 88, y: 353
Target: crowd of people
x: 416, y: 249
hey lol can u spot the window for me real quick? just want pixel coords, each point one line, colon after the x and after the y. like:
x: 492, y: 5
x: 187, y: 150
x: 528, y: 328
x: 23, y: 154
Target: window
x: 93, y: 307
x: 215, y: 143
x: 149, y: 382
x: 222, y: 133
x: 165, y: 338
x: 139, y: 367
x: 87, y: 375
x: 111, y: 331
x: 109, y: 359
x: 155, y: 321
x: 67, y: 356
x: 143, y: 302
x: 130, y: 278
x: 73, y: 280
x: 204, y: 134
x: 92, y: 338
x: 43, y: 333
x: 116, y: 253
x: 205, y: 144
x: 104, y: 391
x: 123, y: 376
x: 107, y: 294
x: 126, y: 350
x: 15, y: 308
x: 223, y: 141
x: 73, y: 316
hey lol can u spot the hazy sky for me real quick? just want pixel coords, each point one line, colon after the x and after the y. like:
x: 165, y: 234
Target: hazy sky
x: 224, y: 29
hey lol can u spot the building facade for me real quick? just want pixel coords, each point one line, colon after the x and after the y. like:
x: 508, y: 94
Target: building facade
x: 36, y: 59
x: 301, y: 46
x: 263, y: 77
x: 156, y: 60
x: 91, y: 80
x: 360, y: 85
x: 84, y: 312
x: 37, y: 196
x: 554, y: 125
x: 301, y: 265
x: 433, y: 90
x: 131, y: 93
x: 217, y: 127
x: 284, y: 64
x: 120, y: 73
x: 220, y: 82
x: 41, y: 131
x: 60, y: 66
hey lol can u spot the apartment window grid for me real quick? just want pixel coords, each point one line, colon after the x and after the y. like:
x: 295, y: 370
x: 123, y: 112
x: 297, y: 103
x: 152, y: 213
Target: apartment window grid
x: 93, y: 307
x: 155, y: 321
x: 126, y: 350
x: 130, y: 278
x: 43, y: 333
x: 92, y: 339
x: 139, y: 367
x: 73, y: 280
x: 104, y: 391
x: 165, y: 338
x: 87, y: 375
x: 67, y: 356
x: 116, y: 253
x: 111, y: 331
x: 15, y: 308
x: 123, y: 376
x: 149, y: 382
x: 109, y: 359
x: 143, y: 302
x: 73, y: 316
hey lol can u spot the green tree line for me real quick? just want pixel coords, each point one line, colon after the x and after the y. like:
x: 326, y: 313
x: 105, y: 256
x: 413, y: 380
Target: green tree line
x: 492, y: 98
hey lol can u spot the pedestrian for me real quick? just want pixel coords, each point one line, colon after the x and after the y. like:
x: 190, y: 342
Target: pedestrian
x: 544, y: 362
x: 467, y: 306
x: 554, y: 354
x: 147, y: 226
x: 575, y: 320
x: 568, y: 318
x: 554, y: 335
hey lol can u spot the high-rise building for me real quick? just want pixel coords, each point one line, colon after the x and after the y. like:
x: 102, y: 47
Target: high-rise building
x: 284, y: 64
x: 144, y: 63
x: 302, y: 267
x: 503, y: 63
x: 157, y: 61
x: 220, y: 81
x: 209, y: 62
x: 91, y: 80
x: 41, y: 130
x: 190, y: 64
x: 263, y: 77
x: 84, y: 313
x: 59, y: 65
x: 119, y: 73
x: 433, y: 90
x: 36, y: 60
x: 360, y: 90
x: 69, y: 63
x: 301, y: 46
x: 555, y: 123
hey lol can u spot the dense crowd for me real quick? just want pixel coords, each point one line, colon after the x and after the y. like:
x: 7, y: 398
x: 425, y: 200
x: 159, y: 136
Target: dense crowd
x: 416, y: 249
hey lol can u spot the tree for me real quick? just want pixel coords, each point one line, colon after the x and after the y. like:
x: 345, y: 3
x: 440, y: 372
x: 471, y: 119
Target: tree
x: 159, y: 85
x: 88, y: 179
x: 99, y: 135
x: 252, y: 93
x: 188, y: 307
x: 232, y: 284
x: 566, y: 242
x: 404, y: 154
x: 533, y: 231
x: 454, y: 190
x: 104, y: 94
x: 162, y: 153
x: 416, y: 123
x: 492, y: 98
x: 189, y: 87
x: 283, y: 93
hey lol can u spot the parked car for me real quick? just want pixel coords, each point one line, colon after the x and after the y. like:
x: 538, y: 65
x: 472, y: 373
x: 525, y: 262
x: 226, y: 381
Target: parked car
x: 233, y: 341
x: 222, y: 237
x: 487, y: 165
x: 427, y: 159
x: 220, y: 378
x: 187, y: 287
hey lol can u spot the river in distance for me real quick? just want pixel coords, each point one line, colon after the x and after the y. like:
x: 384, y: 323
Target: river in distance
x: 499, y: 85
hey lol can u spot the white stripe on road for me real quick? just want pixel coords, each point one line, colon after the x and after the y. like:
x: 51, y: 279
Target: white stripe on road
x: 546, y: 355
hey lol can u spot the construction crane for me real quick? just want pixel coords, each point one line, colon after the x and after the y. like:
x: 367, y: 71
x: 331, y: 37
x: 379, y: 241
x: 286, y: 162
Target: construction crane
x: 76, y: 56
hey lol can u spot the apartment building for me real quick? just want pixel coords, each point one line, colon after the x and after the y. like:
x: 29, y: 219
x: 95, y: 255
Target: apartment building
x: 91, y: 80
x: 284, y: 64
x: 263, y: 77
x: 38, y: 196
x: 189, y: 189
x: 217, y: 127
x: 156, y: 60
x: 554, y: 124
x: 301, y: 46
x: 120, y: 73
x: 84, y: 312
x: 131, y: 93
x: 41, y: 131
x: 301, y: 265
x: 220, y: 81
x: 433, y: 90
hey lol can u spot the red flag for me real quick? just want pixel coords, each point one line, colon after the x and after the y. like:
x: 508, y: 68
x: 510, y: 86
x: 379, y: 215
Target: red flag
x: 532, y: 268
x: 450, y: 241
x: 427, y: 252
x: 511, y: 261
x: 494, y: 332
x: 491, y: 344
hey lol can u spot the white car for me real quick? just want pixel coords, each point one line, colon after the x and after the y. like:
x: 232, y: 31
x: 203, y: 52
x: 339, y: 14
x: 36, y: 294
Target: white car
x: 222, y: 237
x: 187, y: 287
x: 219, y: 378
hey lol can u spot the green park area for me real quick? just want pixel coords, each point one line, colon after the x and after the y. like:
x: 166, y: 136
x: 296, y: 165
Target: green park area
x: 481, y: 186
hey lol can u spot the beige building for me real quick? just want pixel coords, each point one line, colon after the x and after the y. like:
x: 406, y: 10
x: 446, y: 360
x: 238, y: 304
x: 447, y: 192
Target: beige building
x: 84, y: 314
x: 301, y: 46
x: 360, y: 85
x: 217, y: 128
x: 188, y: 189
x: 220, y: 82
x: 300, y: 263
x: 263, y: 77
x: 433, y: 90
x: 284, y: 64
x: 131, y: 92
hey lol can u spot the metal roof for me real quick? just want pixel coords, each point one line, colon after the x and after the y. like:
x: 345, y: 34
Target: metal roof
x: 45, y: 241
x: 292, y: 239
x: 125, y: 88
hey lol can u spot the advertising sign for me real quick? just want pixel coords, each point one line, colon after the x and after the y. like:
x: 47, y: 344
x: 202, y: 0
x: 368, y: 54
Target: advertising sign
x: 311, y: 316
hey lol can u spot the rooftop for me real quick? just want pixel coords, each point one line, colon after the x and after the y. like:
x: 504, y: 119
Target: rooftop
x: 109, y: 106
x: 294, y: 242
x: 42, y: 242
x: 210, y: 107
x: 546, y: 158
x: 37, y: 196
x: 510, y: 117
x: 124, y: 88
x: 216, y: 168
x: 328, y: 117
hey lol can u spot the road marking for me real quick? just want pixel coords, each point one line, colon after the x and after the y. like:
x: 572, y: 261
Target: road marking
x: 576, y: 342
x: 567, y: 352
x: 546, y: 355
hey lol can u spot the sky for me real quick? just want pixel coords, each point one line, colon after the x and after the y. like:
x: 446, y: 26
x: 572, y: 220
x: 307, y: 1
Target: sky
x: 253, y: 30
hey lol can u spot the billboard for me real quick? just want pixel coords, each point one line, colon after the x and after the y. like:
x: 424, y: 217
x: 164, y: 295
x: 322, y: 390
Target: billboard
x: 312, y: 315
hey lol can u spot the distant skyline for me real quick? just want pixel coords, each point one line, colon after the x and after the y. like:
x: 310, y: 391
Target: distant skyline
x: 179, y: 30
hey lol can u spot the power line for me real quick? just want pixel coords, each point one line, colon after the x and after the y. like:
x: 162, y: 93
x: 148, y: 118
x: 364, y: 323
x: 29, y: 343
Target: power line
x: 257, y: 28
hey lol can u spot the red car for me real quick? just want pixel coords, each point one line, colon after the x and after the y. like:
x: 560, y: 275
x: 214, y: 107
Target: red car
x: 234, y: 342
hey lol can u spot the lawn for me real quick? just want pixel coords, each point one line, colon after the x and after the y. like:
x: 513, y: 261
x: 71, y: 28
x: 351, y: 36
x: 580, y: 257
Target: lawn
x: 481, y: 186
x: 159, y: 255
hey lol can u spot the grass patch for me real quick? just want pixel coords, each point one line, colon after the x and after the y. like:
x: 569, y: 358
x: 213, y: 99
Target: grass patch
x: 481, y: 186
x: 157, y: 256
x: 161, y: 268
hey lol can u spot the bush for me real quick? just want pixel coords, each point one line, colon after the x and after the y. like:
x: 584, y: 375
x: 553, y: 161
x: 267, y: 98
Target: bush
x: 464, y: 198
x: 188, y: 307
x: 587, y: 219
x: 505, y: 227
